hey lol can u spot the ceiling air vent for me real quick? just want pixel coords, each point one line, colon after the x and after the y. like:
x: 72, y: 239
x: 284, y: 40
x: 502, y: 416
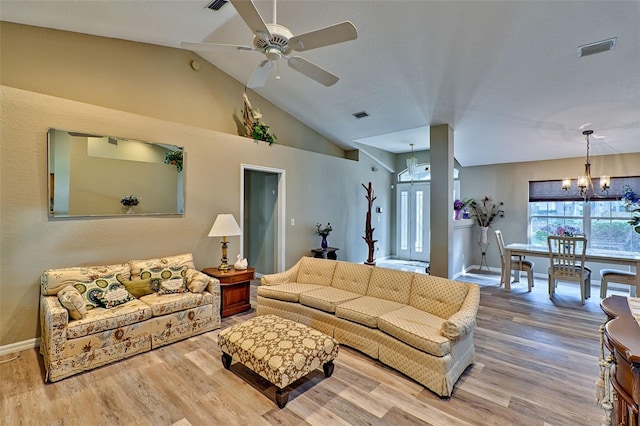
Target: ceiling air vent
x: 216, y: 4
x: 361, y: 114
x: 597, y: 47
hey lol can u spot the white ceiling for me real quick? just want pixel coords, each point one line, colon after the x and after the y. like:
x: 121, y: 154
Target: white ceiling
x: 504, y: 75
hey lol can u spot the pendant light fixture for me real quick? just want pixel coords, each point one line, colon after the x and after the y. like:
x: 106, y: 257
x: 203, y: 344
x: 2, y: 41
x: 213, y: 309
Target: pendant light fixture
x: 412, y: 164
x: 585, y: 183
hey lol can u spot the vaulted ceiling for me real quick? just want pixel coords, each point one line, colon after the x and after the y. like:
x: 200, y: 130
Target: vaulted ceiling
x: 504, y: 75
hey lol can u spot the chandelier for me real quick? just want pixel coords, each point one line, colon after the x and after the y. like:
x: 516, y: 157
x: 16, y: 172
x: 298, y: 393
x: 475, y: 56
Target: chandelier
x: 412, y: 164
x: 585, y: 183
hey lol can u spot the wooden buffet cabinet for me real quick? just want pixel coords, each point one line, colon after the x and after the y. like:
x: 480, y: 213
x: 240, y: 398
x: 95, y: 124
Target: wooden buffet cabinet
x: 622, y: 339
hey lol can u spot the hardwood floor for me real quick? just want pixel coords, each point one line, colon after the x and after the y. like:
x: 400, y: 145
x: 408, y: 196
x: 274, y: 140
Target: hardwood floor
x: 536, y: 364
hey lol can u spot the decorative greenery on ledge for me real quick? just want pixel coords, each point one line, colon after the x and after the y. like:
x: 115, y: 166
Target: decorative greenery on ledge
x: 261, y: 133
x: 174, y: 157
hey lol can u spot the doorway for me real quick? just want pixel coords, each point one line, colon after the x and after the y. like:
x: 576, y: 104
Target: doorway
x: 413, y: 219
x: 263, y: 218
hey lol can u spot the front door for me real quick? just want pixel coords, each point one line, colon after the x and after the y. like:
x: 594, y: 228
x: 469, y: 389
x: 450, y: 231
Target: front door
x: 412, y: 221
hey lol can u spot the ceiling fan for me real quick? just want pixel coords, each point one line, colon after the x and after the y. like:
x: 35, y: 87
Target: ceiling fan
x: 278, y: 42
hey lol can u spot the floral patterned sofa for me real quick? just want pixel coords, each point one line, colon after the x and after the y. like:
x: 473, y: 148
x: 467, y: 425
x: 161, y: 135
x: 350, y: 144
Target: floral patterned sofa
x: 419, y: 324
x: 95, y: 315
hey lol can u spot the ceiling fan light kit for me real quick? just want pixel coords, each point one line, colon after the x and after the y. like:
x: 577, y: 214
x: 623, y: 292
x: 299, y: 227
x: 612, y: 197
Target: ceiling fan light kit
x: 278, y: 42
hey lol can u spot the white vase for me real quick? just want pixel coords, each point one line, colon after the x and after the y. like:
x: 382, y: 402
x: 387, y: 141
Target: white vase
x: 483, y: 234
x: 130, y: 210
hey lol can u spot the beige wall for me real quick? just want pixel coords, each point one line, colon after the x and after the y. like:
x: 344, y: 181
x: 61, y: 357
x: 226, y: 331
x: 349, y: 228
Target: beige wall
x: 319, y: 188
x: 510, y: 183
x: 65, y: 80
x: 145, y: 79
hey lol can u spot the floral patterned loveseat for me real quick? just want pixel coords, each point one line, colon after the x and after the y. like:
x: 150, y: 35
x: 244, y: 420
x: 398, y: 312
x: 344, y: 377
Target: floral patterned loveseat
x: 94, y: 315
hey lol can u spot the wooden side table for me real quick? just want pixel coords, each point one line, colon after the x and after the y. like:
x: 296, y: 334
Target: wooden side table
x: 235, y: 289
x: 328, y: 253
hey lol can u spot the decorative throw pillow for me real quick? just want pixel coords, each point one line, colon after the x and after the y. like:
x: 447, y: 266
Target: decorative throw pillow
x: 175, y: 285
x: 164, y: 273
x: 90, y: 289
x: 196, y: 281
x: 114, y: 297
x: 73, y: 302
x: 138, y: 288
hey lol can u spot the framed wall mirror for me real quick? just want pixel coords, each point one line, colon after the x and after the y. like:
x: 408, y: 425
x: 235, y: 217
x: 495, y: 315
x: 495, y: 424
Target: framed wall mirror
x: 94, y: 175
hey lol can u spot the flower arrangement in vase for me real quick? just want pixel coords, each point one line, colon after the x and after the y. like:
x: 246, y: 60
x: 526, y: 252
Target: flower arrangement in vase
x: 485, y: 212
x: 631, y: 202
x: 459, y: 206
x: 324, y: 233
x: 128, y: 202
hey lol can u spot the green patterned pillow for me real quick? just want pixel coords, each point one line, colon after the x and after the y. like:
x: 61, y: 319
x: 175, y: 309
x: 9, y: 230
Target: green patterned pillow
x: 90, y: 289
x: 114, y: 297
x: 138, y: 288
x: 164, y: 273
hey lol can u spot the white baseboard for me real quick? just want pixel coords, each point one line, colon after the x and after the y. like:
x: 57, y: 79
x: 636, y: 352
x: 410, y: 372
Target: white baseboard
x: 19, y: 346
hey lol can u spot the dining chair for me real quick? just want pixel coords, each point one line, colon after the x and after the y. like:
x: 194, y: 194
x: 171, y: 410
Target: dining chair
x: 517, y: 263
x: 617, y: 276
x: 566, y: 258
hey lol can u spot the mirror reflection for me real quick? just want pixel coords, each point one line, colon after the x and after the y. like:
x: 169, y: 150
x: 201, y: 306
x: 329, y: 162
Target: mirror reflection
x: 93, y: 175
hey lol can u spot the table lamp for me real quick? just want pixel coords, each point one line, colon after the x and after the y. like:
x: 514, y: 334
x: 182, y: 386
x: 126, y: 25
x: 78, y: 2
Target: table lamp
x: 224, y: 226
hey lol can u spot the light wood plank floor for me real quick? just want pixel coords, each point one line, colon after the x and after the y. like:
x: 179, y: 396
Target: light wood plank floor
x: 536, y: 364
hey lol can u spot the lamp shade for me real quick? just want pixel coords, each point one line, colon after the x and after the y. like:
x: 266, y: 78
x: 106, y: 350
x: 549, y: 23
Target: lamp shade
x: 225, y: 226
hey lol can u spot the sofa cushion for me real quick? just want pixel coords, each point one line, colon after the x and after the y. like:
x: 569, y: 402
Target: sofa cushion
x: 172, y: 285
x: 54, y: 280
x: 316, y: 271
x: 114, y: 297
x: 91, y: 290
x: 326, y: 298
x: 73, y: 302
x: 390, y: 284
x: 101, y: 319
x: 159, y: 263
x: 352, y: 277
x: 439, y: 296
x: 289, y: 292
x: 138, y: 288
x: 197, y: 282
x: 417, y: 328
x: 365, y: 310
x: 169, y: 303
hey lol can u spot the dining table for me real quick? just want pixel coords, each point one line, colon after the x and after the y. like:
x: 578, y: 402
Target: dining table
x: 618, y: 257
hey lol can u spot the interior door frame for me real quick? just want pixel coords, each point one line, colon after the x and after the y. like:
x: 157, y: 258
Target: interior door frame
x: 281, y: 216
x: 426, y: 243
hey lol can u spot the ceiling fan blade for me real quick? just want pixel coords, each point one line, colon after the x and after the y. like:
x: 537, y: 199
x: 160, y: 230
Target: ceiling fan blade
x: 204, y: 47
x: 333, y: 34
x: 250, y: 15
x: 313, y: 71
x: 260, y: 74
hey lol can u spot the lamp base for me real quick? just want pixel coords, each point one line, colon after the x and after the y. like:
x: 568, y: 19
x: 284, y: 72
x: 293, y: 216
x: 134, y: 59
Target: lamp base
x: 224, y: 267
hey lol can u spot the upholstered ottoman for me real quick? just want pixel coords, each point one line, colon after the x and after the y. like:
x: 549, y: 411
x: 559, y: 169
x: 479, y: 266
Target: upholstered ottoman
x: 280, y: 350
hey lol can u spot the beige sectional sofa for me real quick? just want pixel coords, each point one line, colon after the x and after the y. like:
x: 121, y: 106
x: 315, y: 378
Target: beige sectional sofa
x: 99, y: 335
x: 419, y: 324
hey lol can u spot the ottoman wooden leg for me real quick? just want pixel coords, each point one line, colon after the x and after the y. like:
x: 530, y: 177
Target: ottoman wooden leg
x: 282, y: 396
x: 328, y: 368
x: 226, y: 360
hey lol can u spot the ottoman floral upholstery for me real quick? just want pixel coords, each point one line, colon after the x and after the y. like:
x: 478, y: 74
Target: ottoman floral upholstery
x: 280, y: 350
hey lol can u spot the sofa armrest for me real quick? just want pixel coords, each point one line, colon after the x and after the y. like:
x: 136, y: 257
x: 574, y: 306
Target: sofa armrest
x: 54, y: 319
x: 463, y: 322
x: 288, y: 276
x: 214, y: 286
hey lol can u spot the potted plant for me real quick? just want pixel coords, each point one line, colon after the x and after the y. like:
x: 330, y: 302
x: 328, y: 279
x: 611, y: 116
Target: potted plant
x: 631, y: 202
x: 175, y: 158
